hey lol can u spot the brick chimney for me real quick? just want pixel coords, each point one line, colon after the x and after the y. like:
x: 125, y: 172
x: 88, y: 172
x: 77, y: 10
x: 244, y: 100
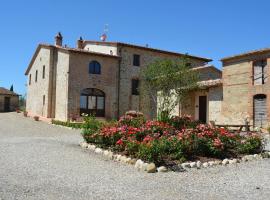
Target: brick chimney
x: 58, y: 39
x: 80, y: 43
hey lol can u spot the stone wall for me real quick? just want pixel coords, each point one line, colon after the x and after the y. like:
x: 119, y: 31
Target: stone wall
x: 129, y: 72
x: 62, y: 83
x: 14, y: 102
x: 107, y: 81
x: 238, y: 89
x: 36, y: 90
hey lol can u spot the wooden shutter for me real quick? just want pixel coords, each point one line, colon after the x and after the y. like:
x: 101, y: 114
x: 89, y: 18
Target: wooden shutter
x: 260, y: 111
x: 257, y: 70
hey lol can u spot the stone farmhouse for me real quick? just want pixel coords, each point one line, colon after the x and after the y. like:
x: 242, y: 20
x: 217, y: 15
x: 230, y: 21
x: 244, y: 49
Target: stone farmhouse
x: 246, y: 88
x: 9, y: 101
x: 103, y: 78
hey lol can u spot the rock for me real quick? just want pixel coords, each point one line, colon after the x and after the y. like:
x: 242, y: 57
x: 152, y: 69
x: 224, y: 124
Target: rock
x: 118, y: 158
x: 144, y: 167
x: 233, y: 161
x: 250, y: 157
x: 199, y: 164
x: 138, y: 164
x: 185, y: 165
x: 244, y: 158
x: 193, y: 165
x: 83, y: 144
x: 217, y: 162
x: 110, y: 155
x: 105, y: 153
x: 98, y: 150
x: 211, y: 163
x: 162, y: 169
x: 205, y: 164
x: 132, y: 161
x: 123, y: 159
x: 151, y: 168
x: 177, y: 168
x: 225, y: 161
x: 128, y: 160
x: 91, y: 147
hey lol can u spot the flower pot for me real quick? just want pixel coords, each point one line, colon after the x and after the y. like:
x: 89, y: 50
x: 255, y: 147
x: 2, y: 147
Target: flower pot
x: 36, y: 118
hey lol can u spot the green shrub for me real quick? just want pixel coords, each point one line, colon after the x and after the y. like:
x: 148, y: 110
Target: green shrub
x: 68, y: 124
x: 253, y: 144
x: 91, y: 126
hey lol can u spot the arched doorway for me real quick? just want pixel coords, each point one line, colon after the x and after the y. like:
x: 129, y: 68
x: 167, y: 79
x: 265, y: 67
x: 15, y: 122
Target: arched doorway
x: 92, y: 101
x: 260, y: 110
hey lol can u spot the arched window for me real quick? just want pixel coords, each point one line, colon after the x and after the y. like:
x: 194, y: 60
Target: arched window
x: 92, y: 101
x: 260, y: 110
x: 94, y: 67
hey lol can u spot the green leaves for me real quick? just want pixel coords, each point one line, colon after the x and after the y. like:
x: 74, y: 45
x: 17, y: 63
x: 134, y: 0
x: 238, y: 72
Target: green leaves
x: 168, y: 82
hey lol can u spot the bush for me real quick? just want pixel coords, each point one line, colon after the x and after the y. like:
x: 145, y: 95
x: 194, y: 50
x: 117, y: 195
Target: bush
x: 68, y: 124
x: 161, y: 142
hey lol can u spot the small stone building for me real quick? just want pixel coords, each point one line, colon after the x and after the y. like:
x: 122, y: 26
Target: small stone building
x: 204, y: 104
x: 246, y: 88
x: 9, y: 101
x: 98, y: 78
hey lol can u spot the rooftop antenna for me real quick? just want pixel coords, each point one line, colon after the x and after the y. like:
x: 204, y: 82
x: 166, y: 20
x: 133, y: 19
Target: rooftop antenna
x: 103, y: 37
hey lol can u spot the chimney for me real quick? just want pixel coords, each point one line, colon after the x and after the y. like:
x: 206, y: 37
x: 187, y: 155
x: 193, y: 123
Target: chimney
x: 80, y: 43
x: 58, y: 39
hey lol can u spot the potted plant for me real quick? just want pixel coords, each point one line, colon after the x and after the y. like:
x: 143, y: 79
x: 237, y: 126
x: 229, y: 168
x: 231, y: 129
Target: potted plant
x: 36, y: 118
x: 25, y: 113
x: 18, y: 110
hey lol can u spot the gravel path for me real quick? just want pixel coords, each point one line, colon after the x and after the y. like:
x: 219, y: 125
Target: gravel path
x: 41, y: 161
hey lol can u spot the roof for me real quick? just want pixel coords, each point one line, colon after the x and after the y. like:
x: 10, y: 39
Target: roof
x: 208, y: 67
x: 210, y: 83
x: 66, y: 49
x: 254, y: 52
x: 147, y: 48
x: 4, y: 91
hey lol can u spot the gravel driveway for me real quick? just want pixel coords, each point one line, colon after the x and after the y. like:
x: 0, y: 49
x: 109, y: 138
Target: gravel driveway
x: 41, y: 161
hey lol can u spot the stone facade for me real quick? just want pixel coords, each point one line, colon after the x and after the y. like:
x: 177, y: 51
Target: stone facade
x: 58, y: 94
x: 239, y: 88
x: 9, y: 101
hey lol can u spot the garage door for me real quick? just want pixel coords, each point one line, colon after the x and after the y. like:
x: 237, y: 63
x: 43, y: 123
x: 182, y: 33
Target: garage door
x: 260, y: 110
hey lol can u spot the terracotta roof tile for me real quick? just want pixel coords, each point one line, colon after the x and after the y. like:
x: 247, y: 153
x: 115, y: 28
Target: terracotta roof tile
x: 4, y: 91
x: 264, y: 50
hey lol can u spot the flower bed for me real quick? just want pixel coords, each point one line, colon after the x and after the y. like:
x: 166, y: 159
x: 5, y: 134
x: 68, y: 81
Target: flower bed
x: 169, y: 143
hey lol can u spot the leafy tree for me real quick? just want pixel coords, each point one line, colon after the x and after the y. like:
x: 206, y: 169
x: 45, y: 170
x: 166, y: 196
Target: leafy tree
x: 168, y: 82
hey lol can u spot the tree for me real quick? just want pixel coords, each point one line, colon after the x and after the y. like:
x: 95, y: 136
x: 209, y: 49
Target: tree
x: 168, y: 82
x: 11, y: 88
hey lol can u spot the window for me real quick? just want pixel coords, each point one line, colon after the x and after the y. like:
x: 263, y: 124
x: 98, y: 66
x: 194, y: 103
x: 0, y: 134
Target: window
x: 135, y: 87
x: 43, y: 100
x: 30, y: 77
x: 259, y: 72
x: 94, y: 67
x: 43, y: 72
x: 92, y: 101
x: 36, y: 75
x: 136, y: 60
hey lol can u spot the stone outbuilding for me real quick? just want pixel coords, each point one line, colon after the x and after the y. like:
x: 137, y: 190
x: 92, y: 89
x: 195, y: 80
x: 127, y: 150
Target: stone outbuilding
x: 9, y: 101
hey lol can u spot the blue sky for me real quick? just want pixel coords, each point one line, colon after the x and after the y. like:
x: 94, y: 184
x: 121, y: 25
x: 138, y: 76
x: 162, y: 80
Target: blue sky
x: 208, y: 28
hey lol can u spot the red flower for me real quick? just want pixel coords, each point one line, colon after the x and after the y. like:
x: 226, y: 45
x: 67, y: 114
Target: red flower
x: 120, y: 142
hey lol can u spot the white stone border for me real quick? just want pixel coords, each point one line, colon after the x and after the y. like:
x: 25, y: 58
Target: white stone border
x: 151, y: 167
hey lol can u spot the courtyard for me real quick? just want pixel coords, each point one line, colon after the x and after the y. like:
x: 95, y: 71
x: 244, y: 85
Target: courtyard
x: 42, y: 161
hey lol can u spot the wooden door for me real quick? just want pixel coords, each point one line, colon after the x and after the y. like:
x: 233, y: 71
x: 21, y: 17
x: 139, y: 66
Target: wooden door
x: 203, y: 109
x: 260, y: 111
x: 7, y: 104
